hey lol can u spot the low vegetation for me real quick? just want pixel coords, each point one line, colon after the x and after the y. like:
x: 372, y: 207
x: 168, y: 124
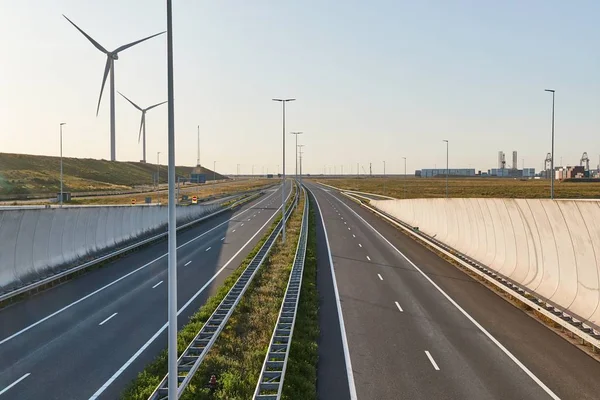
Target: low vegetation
x: 25, y: 174
x: 412, y: 187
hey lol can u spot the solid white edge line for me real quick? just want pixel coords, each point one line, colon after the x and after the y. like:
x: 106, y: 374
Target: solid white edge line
x: 432, y: 361
x: 27, y: 328
x: 153, y: 338
x: 187, y: 263
x: 349, y: 373
x: 155, y: 286
x: 107, y: 319
x: 398, y: 305
x: 6, y: 389
x: 455, y: 304
x: 380, y: 277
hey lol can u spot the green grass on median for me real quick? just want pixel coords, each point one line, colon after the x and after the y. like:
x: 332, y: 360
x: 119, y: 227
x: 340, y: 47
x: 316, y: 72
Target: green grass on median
x: 301, y: 376
x: 147, y: 380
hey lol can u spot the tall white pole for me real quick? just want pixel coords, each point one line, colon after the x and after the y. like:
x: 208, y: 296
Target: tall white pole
x: 283, y: 180
x: 283, y: 183
x: 404, y: 177
x: 198, y: 161
x: 144, y: 133
x: 552, y: 157
x: 158, y: 177
x: 172, y: 303
x: 447, y: 171
x: 61, y: 165
x: 113, y: 152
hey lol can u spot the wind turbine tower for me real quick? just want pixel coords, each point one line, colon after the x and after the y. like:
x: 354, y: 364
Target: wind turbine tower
x: 143, y: 123
x: 111, y: 56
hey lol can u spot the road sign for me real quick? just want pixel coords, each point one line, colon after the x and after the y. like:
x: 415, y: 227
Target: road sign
x: 194, y: 200
x: 132, y: 201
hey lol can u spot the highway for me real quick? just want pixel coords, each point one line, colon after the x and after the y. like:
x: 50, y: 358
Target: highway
x: 398, y: 322
x: 89, y: 337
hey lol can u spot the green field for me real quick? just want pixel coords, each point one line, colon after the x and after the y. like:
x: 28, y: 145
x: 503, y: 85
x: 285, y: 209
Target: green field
x: 24, y: 174
x: 412, y: 187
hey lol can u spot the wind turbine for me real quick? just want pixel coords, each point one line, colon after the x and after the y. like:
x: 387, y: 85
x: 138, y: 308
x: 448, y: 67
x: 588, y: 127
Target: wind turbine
x: 143, y: 123
x: 111, y: 56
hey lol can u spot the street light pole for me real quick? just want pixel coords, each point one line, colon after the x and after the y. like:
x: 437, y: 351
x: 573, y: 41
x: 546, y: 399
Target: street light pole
x: 158, y: 177
x: 299, y: 146
x: 384, y: 177
x: 173, y: 380
x: 283, y: 101
x: 447, y: 171
x: 296, y: 134
x: 552, y: 157
x: 214, y: 171
x: 61, y: 165
x: 405, y: 176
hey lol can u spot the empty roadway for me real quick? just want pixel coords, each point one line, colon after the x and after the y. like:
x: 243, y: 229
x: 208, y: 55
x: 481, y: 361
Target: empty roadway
x: 429, y: 331
x: 72, y: 340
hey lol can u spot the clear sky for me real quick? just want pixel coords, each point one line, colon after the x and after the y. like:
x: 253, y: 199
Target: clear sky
x: 374, y: 80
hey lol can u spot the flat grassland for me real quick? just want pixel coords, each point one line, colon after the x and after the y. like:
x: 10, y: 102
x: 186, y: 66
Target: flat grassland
x: 413, y: 187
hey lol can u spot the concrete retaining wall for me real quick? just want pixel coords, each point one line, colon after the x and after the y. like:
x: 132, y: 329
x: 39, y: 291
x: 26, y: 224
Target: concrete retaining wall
x: 550, y: 247
x: 35, y: 241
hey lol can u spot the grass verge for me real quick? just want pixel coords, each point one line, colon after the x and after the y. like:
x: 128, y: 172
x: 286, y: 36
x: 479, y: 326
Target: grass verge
x: 301, y: 375
x: 147, y: 380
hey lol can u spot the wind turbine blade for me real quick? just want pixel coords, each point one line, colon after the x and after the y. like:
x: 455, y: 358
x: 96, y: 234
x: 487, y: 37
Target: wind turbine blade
x: 132, y: 103
x: 142, y: 125
x: 156, y: 105
x: 106, y: 71
x: 126, y: 46
x: 96, y: 44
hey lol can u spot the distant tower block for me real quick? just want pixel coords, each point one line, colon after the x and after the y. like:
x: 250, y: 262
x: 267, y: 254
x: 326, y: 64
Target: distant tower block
x: 515, y: 162
x: 500, y: 160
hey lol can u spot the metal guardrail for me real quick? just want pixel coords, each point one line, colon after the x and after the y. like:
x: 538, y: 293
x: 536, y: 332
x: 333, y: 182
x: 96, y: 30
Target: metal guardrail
x: 272, y: 375
x: 68, y: 271
x: 190, y: 360
x: 552, y: 311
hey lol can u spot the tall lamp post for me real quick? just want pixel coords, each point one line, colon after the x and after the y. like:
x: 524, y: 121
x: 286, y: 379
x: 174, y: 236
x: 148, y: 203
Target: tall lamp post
x: 552, y: 157
x: 299, y: 151
x: 447, y: 171
x: 61, y: 165
x: 404, y: 177
x: 283, y: 101
x: 296, y: 134
x: 158, y: 177
x: 173, y: 380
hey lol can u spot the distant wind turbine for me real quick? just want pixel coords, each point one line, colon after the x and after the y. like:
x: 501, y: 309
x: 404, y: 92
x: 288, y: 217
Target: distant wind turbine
x: 111, y: 56
x: 143, y: 122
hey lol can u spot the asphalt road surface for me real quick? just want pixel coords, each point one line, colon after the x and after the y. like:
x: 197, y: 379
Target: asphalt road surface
x: 89, y: 337
x: 416, y: 327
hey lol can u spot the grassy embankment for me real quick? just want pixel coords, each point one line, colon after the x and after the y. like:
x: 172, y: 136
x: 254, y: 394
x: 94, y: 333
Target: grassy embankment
x: 25, y: 174
x: 237, y: 356
x: 466, y: 187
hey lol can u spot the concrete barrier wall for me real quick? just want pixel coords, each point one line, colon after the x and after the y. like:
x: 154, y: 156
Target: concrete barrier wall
x: 33, y: 242
x: 550, y: 247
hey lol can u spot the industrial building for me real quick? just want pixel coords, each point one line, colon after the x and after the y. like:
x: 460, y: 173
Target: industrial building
x: 512, y: 173
x: 430, y: 173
